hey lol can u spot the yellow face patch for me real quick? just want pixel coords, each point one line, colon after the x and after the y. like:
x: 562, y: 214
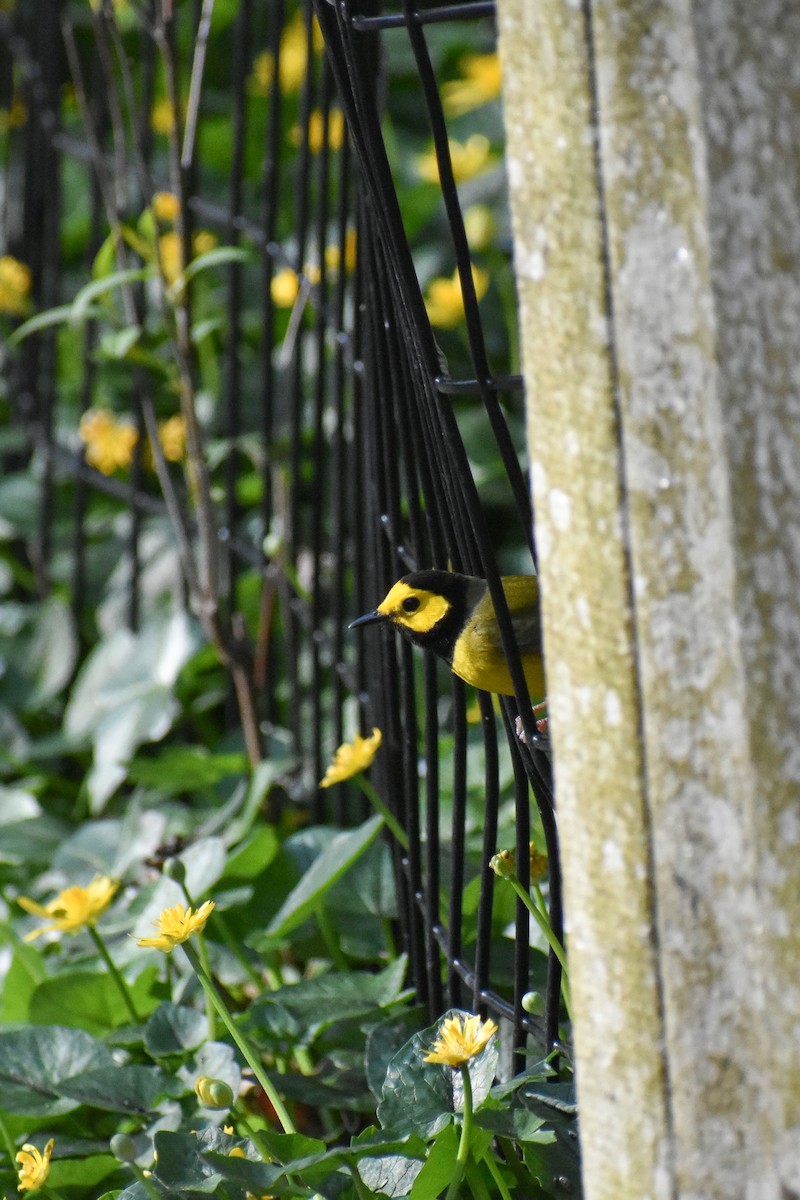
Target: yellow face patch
x: 416, y: 609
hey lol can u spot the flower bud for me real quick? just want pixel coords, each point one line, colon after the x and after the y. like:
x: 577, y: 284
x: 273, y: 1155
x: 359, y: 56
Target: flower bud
x: 214, y: 1093
x: 123, y: 1147
x: 174, y: 869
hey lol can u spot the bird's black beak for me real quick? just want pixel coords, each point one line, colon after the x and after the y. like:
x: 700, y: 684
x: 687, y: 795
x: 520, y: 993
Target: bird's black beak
x: 368, y: 619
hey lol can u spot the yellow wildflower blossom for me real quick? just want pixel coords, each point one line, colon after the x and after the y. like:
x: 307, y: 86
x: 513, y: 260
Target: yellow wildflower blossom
x: 15, y: 285
x: 15, y: 116
x: 203, y: 241
x: 457, y: 1043
x: 34, y: 1166
x: 445, y: 301
x: 481, y: 81
x: 468, y: 159
x: 166, y: 206
x: 352, y: 757
x: 170, y: 255
x: 479, y: 226
x: 284, y: 288
x: 170, y: 251
x: 109, y: 443
x: 172, y: 436
x: 350, y: 246
x: 316, y: 131
x: 263, y: 73
x: 293, y: 59
x: 176, y: 925
x: 162, y: 117
x: 73, y: 909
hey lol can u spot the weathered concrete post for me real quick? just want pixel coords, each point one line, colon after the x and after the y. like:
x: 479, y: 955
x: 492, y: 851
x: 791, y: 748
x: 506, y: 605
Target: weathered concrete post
x: 665, y: 838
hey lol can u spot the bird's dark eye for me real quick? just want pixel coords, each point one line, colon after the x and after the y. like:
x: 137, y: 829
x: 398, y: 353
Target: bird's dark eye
x: 410, y: 604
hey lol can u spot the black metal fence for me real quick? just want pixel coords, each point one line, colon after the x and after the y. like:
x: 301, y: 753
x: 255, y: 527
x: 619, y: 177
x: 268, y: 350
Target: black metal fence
x: 346, y: 444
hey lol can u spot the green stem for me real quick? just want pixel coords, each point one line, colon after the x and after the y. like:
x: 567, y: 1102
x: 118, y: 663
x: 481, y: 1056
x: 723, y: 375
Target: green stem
x: 497, y: 1176
x: 202, y: 951
x: 391, y: 820
x: 466, y: 1134
x: 553, y: 942
x: 244, y: 1046
x: 255, y: 1137
x: 11, y: 1149
x: 114, y: 971
x: 475, y: 1181
x: 146, y: 1182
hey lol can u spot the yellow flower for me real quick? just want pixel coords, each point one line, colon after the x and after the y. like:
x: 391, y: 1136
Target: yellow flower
x: 203, y: 241
x: 263, y: 72
x: 12, y: 118
x: 468, y: 159
x: 162, y: 117
x: 34, y: 1166
x: 170, y: 251
x: 539, y: 865
x: 445, y: 302
x: 74, y: 908
x: 350, y: 245
x: 457, y: 1044
x: 479, y: 226
x: 166, y: 206
x: 352, y: 757
x: 293, y: 59
x: 109, y: 442
x: 316, y: 131
x: 480, y: 83
x: 176, y: 925
x: 172, y: 436
x: 170, y: 255
x: 15, y: 285
x: 284, y: 288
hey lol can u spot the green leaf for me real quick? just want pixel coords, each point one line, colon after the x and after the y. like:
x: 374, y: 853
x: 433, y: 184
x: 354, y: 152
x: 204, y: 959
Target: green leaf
x: 44, y: 320
x: 52, y: 650
x: 34, y: 1061
x: 185, y: 1164
x: 83, y: 999
x: 123, y: 696
x: 128, y: 1089
x: 330, y: 866
x: 173, y: 1029
x: 314, y: 1004
x: 215, y: 258
x: 116, y: 344
x: 100, y: 287
x: 24, y: 973
x: 389, y: 1174
x: 179, y: 769
x: 439, y: 1166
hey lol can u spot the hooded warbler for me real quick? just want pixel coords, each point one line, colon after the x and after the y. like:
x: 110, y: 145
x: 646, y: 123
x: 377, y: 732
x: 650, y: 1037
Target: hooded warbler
x: 454, y: 616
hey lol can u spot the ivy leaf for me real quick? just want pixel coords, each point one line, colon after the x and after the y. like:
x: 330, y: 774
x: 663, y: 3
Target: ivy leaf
x: 34, y: 1062
x: 173, y: 1029
x: 86, y: 999
x: 314, y: 1004
x: 341, y: 852
x: 129, y: 1089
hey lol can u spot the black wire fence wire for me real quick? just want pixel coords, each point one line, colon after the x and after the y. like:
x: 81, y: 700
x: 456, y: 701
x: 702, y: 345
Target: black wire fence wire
x: 341, y: 448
